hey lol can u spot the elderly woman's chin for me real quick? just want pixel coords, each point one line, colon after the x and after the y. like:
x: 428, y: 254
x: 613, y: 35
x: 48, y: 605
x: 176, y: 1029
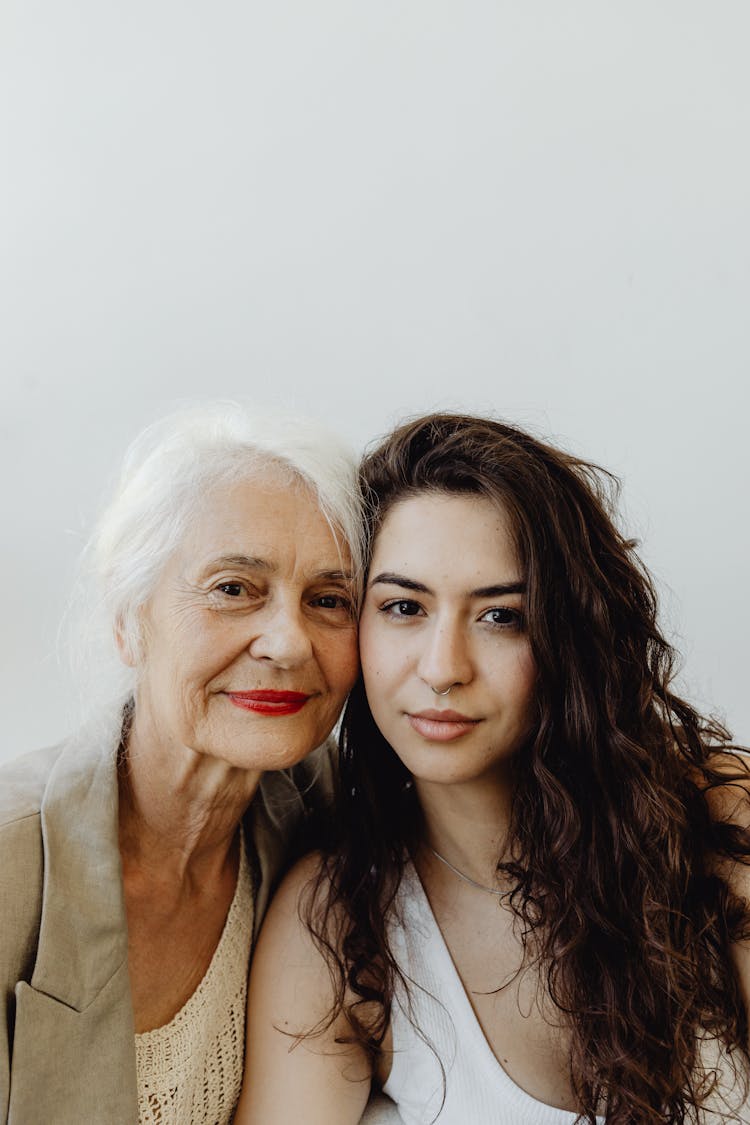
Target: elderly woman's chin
x: 279, y: 739
x: 258, y: 742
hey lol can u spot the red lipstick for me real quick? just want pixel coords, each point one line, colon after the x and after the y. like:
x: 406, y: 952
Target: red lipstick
x: 269, y: 702
x: 441, y: 726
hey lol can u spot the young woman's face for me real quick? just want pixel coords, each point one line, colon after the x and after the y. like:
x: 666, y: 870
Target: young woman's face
x: 444, y: 611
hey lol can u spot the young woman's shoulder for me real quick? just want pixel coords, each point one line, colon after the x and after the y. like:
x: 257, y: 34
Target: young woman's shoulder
x: 286, y: 938
x: 726, y: 786
x: 301, y: 880
x: 728, y: 797
x: 300, y: 1062
x: 728, y: 793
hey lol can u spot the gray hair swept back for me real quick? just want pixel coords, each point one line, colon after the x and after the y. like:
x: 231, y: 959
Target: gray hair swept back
x: 166, y: 474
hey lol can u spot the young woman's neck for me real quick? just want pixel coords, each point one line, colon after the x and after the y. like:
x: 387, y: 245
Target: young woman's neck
x: 467, y: 824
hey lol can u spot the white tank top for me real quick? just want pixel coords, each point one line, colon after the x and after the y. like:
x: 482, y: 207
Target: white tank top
x: 478, y: 1091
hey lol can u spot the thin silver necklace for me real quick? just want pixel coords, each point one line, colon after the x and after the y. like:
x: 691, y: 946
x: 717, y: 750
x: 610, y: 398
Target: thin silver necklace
x: 467, y: 878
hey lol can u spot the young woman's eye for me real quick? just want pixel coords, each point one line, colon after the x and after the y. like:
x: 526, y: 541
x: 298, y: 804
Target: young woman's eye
x: 402, y: 608
x: 503, y: 616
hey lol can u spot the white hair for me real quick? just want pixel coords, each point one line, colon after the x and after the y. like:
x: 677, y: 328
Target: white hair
x: 167, y: 473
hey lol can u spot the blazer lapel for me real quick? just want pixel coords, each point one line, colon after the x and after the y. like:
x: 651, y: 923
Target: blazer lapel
x: 74, y: 1067
x: 74, y: 1044
x: 73, y: 1049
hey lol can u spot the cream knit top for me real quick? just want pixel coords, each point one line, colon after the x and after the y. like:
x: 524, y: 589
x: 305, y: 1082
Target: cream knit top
x: 190, y: 1070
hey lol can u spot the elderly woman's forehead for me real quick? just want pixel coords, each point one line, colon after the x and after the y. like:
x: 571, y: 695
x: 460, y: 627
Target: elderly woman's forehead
x: 260, y: 519
x: 263, y: 485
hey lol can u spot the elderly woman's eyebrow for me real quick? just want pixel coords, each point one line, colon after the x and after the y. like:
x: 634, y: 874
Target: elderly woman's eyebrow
x: 336, y: 575
x: 247, y: 562
x: 255, y: 562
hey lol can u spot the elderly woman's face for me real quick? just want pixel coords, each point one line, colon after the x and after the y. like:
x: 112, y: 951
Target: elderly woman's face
x: 250, y: 634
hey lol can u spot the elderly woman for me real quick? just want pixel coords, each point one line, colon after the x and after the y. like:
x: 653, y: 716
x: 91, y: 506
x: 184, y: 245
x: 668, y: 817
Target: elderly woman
x: 136, y: 859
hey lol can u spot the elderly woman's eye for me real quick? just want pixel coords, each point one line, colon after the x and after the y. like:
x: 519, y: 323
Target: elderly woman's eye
x: 231, y: 589
x: 333, y: 601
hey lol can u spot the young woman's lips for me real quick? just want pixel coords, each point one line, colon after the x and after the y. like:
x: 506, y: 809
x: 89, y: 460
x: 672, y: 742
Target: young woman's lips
x: 269, y: 702
x: 441, y: 726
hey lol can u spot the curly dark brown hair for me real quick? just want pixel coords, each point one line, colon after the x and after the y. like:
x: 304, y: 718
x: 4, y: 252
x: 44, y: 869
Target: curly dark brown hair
x: 616, y: 854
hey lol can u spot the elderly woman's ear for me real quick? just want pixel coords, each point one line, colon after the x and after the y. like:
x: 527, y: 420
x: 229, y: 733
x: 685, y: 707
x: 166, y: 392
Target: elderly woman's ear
x: 129, y: 644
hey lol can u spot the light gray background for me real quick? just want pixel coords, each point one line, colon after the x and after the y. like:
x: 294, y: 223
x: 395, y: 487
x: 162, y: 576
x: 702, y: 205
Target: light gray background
x: 362, y: 210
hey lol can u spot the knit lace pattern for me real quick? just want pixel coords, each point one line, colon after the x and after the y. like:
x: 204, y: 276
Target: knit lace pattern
x: 190, y: 1070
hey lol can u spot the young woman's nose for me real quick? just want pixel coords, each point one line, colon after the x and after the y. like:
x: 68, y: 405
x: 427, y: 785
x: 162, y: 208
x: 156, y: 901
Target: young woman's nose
x: 445, y: 659
x: 281, y: 634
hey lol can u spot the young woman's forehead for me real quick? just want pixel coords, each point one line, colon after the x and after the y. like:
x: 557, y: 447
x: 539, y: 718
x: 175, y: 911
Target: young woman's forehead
x: 451, y: 533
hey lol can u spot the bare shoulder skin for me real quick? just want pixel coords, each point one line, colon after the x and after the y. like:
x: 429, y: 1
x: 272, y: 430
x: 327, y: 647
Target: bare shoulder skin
x: 289, y: 1076
x: 731, y: 802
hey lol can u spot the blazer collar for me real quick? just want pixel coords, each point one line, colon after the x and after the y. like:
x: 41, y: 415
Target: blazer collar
x: 83, y: 929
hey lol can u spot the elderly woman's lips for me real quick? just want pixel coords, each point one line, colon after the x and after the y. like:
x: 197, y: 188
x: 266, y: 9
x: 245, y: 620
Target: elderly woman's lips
x: 269, y: 702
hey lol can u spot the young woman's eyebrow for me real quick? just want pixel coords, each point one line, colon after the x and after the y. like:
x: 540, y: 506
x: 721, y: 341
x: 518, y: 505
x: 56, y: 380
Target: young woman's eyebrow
x: 389, y: 579
x: 497, y: 591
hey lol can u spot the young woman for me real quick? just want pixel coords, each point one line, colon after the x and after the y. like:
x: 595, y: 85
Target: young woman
x: 536, y: 907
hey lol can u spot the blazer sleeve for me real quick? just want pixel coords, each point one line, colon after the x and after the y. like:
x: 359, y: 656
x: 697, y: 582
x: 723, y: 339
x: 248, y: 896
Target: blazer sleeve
x: 21, y: 875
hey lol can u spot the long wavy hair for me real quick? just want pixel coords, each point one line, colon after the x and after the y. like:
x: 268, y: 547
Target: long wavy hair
x: 616, y: 856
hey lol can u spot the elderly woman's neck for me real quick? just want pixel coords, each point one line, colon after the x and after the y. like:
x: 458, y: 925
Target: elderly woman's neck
x: 178, y: 806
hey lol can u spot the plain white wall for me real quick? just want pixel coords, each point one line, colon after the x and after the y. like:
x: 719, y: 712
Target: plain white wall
x: 364, y: 210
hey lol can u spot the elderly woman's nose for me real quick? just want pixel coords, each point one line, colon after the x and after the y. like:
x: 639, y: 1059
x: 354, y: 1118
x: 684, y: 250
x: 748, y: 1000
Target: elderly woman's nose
x: 281, y: 634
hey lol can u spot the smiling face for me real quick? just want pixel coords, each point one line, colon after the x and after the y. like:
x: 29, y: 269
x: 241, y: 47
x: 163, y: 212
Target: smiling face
x: 444, y: 609
x: 250, y: 643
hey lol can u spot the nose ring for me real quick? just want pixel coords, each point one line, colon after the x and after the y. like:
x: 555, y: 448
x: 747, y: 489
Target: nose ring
x: 435, y: 690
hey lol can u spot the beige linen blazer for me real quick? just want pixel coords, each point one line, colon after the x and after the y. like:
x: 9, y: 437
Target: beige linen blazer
x: 67, y: 1052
